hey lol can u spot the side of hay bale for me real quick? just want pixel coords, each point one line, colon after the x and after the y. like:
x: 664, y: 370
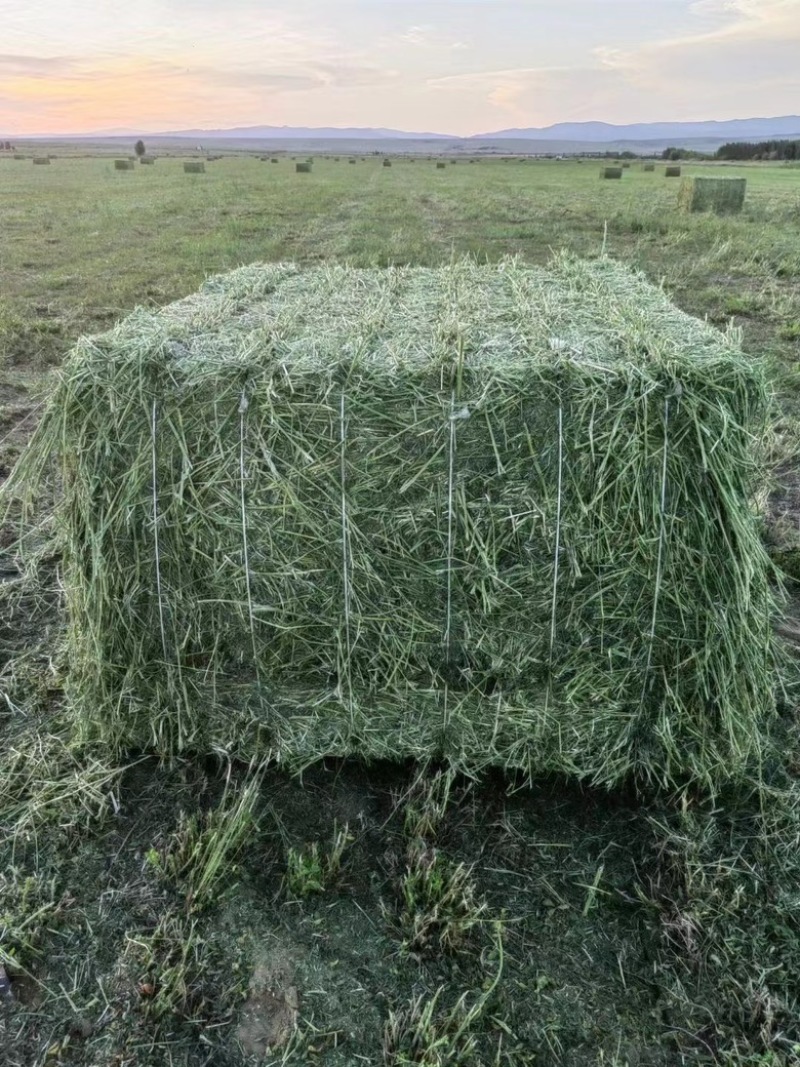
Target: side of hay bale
x: 440, y: 166
x: 352, y: 161
x: 273, y: 160
x: 724, y: 196
x: 516, y: 529
x: 123, y: 164
x: 41, y: 161
x: 387, y: 162
x: 302, y: 168
x: 194, y: 167
x: 648, y: 168
x: 672, y: 172
x: 626, y: 166
x: 147, y: 161
x: 611, y: 172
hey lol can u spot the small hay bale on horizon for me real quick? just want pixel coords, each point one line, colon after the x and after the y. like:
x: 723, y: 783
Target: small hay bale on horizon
x: 466, y: 513
x: 648, y: 167
x: 440, y: 166
x: 672, y: 172
x: 611, y: 172
x: 194, y: 166
x: 723, y: 196
x: 302, y: 168
x: 41, y: 161
x: 387, y: 162
x: 147, y: 161
x: 273, y: 160
x: 123, y: 164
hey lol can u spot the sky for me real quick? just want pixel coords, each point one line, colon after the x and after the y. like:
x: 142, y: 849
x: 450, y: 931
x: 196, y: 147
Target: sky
x: 450, y: 66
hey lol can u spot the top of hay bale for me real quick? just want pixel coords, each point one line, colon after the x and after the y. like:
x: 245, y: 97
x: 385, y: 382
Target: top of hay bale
x: 499, y: 514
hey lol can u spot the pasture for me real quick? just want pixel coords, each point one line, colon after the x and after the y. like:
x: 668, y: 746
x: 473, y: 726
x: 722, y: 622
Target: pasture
x: 202, y: 911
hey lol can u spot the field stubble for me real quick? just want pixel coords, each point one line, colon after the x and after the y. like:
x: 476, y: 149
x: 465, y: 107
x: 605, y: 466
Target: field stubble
x: 209, y: 913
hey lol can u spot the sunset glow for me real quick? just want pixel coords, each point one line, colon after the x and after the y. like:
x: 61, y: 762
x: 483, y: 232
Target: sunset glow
x: 456, y: 66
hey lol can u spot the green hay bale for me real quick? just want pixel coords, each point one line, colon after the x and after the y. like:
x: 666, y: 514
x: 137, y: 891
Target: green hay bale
x: 626, y: 166
x: 123, y: 164
x: 648, y: 167
x: 147, y: 161
x: 41, y: 161
x: 194, y: 167
x: 724, y: 196
x: 302, y: 168
x: 274, y: 160
x: 611, y: 172
x: 440, y: 166
x: 672, y: 172
x: 352, y: 161
x: 499, y: 515
x: 20, y: 157
x: 387, y: 162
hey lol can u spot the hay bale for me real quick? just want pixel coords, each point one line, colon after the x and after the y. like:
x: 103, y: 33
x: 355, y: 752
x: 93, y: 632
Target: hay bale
x: 147, y: 161
x: 626, y: 166
x: 273, y: 160
x: 672, y: 172
x: 123, y: 164
x: 611, y: 172
x: 723, y: 196
x: 440, y: 166
x: 18, y: 156
x: 352, y: 161
x: 387, y: 162
x: 302, y: 168
x: 648, y: 167
x: 194, y: 167
x: 41, y: 161
x: 499, y: 515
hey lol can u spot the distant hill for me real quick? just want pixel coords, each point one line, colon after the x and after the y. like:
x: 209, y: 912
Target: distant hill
x: 673, y: 132
x: 298, y: 133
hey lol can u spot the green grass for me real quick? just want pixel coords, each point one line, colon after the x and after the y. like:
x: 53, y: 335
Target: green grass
x: 145, y: 913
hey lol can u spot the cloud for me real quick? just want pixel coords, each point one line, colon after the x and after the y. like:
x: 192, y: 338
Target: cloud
x: 35, y: 66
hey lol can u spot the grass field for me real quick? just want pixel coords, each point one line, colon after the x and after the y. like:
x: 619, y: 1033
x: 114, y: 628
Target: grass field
x: 203, y: 913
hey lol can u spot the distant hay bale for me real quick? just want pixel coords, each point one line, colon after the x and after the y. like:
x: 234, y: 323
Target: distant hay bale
x: 196, y: 166
x: 626, y: 166
x: 352, y: 161
x: 723, y: 196
x: 611, y: 172
x: 440, y: 166
x: 41, y: 161
x: 387, y: 162
x: 147, y: 161
x: 273, y: 160
x: 672, y: 172
x: 18, y: 156
x: 648, y: 167
x: 302, y: 168
x: 123, y: 164
x: 490, y: 514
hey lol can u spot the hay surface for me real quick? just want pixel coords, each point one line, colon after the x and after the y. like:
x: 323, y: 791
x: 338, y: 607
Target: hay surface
x: 611, y: 172
x: 493, y: 513
x: 672, y: 172
x: 302, y: 168
x: 724, y: 196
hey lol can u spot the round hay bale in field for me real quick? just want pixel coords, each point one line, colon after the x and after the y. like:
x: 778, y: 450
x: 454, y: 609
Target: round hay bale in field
x: 123, y: 164
x: 302, y: 168
x: 498, y: 515
x: 723, y: 196
x: 41, y: 161
x: 611, y: 173
x: 196, y: 166
x: 672, y: 172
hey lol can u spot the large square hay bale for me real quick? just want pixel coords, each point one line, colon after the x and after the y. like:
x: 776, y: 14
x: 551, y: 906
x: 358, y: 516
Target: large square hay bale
x: 147, y: 161
x: 611, y: 172
x: 496, y: 514
x: 672, y: 172
x: 725, y: 196
x: 648, y: 168
x: 41, y: 161
x: 123, y: 164
x: 302, y: 168
x: 441, y: 166
x: 194, y: 167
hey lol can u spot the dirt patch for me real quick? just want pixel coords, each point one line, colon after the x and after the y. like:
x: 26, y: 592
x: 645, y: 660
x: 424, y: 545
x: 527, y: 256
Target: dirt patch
x: 269, y: 1015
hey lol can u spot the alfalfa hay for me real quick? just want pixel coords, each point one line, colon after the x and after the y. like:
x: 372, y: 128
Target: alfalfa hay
x: 495, y: 514
x: 611, y: 172
x: 724, y: 196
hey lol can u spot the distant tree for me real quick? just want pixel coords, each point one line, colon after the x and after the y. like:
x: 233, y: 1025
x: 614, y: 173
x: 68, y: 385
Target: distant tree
x: 139, y: 148
x: 773, y: 150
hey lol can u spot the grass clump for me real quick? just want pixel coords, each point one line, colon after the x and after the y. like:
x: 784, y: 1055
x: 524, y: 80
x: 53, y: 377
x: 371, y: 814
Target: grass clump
x: 309, y: 871
x: 440, y: 905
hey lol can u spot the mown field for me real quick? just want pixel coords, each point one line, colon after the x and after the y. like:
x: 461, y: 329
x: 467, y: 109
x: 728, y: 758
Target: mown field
x: 204, y: 913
